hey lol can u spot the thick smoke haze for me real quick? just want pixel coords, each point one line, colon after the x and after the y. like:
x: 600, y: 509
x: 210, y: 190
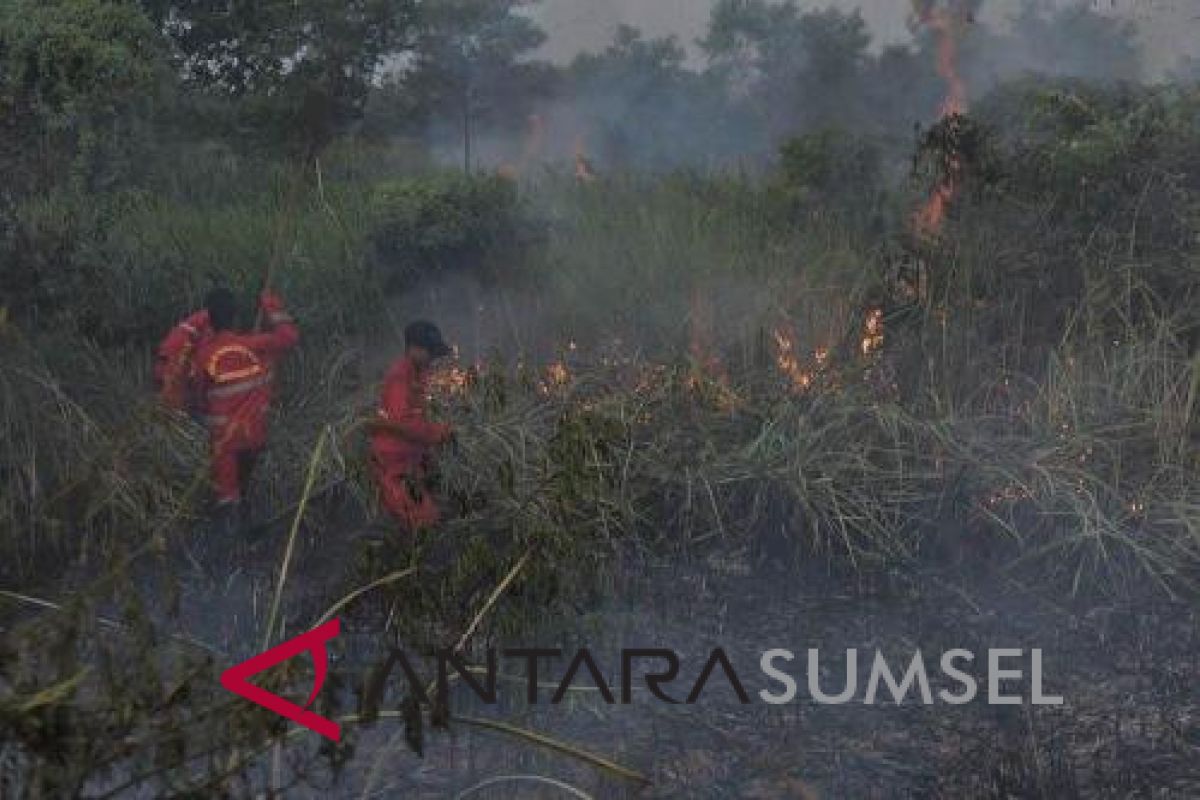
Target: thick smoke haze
x: 1169, y: 29
x: 635, y: 88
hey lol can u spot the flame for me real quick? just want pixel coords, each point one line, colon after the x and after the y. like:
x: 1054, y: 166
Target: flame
x: 947, y: 24
x: 451, y: 381
x: 789, y: 362
x: 557, y: 377
x: 1007, y: 495
x: 584, y: 172
x: 873, y: 336
x: 803, y: 377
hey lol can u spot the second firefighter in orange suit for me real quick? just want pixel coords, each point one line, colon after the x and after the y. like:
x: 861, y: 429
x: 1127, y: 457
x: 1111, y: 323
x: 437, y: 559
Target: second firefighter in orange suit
x: 403, y: 438
x: 174, y: 369
x: 236, y: 377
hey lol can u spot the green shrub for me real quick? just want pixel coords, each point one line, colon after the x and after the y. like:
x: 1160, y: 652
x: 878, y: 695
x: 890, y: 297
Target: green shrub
x: 443, y: 222
x: 830, y: 168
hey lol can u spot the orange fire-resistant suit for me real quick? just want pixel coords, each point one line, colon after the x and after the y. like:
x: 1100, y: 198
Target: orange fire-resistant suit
x: 401, y: 452
x: 236, y: 376
x: 174, y: 371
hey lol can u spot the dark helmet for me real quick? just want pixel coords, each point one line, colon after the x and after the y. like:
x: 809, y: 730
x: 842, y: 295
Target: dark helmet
x: 427, y: 335
x: 222, y: 308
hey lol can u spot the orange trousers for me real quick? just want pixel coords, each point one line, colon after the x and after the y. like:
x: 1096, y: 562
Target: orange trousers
x: 404, y: 493
x: 231, y: 470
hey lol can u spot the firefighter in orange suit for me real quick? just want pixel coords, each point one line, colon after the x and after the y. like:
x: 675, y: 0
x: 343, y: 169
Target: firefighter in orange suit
x: 174, y: 370
x: 403, y: 438
x: 235, y: 376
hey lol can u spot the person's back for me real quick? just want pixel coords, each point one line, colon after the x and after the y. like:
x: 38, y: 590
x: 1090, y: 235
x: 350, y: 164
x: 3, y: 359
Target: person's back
x: 174, y: 368
x: 236, y: 373
x: 403, y: 437
x: 404, y: 405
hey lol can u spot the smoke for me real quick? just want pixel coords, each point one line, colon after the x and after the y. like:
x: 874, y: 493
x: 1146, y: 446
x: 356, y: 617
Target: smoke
x: 637, y: 91
x: 1169, y: 30
x: 577, y: 26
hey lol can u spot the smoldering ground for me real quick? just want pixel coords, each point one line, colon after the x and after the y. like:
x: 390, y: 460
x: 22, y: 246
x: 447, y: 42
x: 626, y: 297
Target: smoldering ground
x: 713, y: 409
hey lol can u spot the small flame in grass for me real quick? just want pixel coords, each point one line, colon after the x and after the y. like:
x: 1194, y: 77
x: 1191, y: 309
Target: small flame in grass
x: 584, y: 172
x: 873, y: 335
x: 788, y: 360
x: 1007, y: 495
x: 557, y: 377
x: 450, y: 381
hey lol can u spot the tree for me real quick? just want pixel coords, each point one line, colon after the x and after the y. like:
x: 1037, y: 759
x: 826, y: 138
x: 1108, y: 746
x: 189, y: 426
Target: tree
x: 800, y: 70
x: 76, y: 76
x: 468, y: 68
x: 301, y: 69
x: 640, y: 106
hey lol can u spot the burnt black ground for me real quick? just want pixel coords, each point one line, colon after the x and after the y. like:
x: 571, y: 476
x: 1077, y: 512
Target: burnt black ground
x: 1127, y: 668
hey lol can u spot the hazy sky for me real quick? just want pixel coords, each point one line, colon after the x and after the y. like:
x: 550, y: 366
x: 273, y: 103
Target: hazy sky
x: 1170, y: 27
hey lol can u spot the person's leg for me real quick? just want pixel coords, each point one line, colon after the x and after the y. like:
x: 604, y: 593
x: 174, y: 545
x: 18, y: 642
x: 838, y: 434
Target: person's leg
x: 226, y: 475
x: 226, y: 519
x: 402, y: 498
x: 424, y: 511
x: 247, y: 461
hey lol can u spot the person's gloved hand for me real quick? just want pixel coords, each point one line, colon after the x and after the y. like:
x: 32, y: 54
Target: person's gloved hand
x: 270, y: 302
x: 199, y: 321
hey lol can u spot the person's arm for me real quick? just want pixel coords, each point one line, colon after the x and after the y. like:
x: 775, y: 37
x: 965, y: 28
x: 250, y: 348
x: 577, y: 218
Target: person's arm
x: 283, y: 334
x: 184, y: 335
x: 172, y: 366
x: 398, y: 417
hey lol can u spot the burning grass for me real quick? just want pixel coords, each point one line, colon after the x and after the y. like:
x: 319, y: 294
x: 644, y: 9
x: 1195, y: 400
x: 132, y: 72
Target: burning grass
x: 774, y: 398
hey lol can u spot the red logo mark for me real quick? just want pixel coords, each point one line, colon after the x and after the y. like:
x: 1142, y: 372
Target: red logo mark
x: 235, y: 679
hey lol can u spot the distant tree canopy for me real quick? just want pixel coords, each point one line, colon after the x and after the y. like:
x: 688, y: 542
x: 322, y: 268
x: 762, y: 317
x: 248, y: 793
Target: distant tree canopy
x: 304, y: 68
x: 87, y: 83
x: 75, y: 75
x: 799, y: 69
x: 471, y: 64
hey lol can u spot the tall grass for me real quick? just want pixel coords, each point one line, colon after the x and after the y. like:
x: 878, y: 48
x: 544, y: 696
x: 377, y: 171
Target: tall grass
x: 1053, y: 433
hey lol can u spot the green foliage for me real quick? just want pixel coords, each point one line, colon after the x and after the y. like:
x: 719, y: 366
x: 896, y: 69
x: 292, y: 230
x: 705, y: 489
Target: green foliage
x: 800, y: 68
x: 76, y: 76
x: 302, y: 70
x: 470, y: 69
x: 422, y: 226
x: 833, y: 168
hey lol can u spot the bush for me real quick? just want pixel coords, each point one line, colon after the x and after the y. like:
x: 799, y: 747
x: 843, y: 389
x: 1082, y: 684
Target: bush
x: 831, y: 168
x: 439, y: 223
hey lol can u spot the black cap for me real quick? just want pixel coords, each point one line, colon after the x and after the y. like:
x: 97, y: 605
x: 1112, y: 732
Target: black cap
x: 222, y: 308
x: 426, y: 334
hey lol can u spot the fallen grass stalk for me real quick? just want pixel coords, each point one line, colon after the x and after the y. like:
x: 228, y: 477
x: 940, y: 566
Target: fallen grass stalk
x: 107, y: 623
x: 309, y: 481
x: 497, y: 593
x: 357, y: 593
x: 542, y: 779
x: 557, y: 745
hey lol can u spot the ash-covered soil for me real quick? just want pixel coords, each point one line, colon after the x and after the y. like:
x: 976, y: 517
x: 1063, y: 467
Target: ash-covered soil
x: 1127, y: 670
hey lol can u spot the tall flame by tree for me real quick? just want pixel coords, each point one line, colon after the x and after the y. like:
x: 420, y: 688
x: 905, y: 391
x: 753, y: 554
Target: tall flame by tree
x: 584, y: 171
x: 947, y: 23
